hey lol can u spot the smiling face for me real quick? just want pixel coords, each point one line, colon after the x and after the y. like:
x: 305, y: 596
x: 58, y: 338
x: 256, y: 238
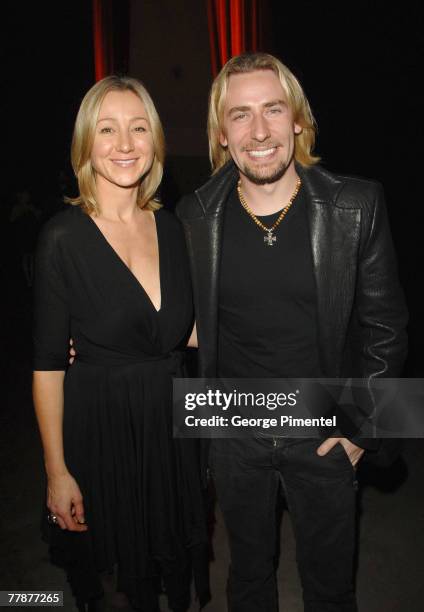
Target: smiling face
x: 123, y: 149
x: 258, y: 126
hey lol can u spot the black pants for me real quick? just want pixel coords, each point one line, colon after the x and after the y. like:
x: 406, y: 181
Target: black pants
x: 320, y: 493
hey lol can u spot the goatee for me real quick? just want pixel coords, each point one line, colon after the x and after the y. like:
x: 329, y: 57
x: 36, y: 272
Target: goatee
x: 262, y: 178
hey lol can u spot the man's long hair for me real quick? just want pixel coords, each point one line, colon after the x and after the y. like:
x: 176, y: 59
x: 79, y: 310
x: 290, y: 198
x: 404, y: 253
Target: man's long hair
x: 296, y: 99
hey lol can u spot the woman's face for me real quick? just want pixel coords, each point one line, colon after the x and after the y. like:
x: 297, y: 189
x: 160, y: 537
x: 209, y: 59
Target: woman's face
x: 123, y: 149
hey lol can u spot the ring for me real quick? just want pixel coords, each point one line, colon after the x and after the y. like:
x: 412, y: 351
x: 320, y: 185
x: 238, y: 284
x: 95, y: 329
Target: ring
x: 52, y: 518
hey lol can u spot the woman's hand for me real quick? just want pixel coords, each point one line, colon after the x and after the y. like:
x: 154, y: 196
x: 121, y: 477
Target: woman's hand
x: 64, y: 500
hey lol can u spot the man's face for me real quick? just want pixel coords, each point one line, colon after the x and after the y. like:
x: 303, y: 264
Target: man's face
x: 258, y: 127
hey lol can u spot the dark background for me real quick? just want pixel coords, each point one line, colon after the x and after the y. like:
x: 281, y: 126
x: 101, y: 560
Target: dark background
x: 358, y: 62
x: 360, y: 65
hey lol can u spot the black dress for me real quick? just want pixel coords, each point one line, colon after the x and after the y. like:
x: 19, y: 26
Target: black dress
x: 141, y: 488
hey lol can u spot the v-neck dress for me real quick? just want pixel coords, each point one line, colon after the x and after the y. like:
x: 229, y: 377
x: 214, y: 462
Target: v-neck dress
x: 141, y: 488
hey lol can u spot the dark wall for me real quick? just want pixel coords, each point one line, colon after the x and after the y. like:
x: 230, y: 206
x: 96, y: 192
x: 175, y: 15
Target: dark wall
x: 47, y: 69
x: 361, y: 66
x: 170, y: 54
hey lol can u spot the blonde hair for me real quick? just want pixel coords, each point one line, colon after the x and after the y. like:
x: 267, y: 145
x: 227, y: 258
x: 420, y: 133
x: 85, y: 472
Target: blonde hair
x: 296, y: 99
x: 83, y: 139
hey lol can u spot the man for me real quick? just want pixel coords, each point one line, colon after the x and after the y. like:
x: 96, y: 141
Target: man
x: 294, y: 275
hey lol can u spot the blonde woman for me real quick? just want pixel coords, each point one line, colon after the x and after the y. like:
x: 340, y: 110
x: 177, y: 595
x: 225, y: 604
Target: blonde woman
x: 112, y: 273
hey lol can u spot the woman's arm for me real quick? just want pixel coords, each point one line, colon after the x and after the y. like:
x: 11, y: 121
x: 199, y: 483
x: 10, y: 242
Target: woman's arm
x: 192, y: 341
x: 64, y: 497
x: 51, y: 336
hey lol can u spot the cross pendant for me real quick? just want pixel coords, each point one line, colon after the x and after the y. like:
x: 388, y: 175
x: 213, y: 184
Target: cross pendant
x: 270, y: 238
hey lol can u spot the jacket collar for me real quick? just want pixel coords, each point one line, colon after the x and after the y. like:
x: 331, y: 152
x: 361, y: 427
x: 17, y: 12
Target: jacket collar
x: 320, y: 186
x: 213, y: 194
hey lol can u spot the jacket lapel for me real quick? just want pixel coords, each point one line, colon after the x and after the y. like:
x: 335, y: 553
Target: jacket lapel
x: 334, y: 229
x: 206, y: 239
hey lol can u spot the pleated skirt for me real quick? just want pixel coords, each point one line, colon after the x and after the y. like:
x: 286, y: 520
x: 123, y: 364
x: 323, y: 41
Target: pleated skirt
x: 143, y: 501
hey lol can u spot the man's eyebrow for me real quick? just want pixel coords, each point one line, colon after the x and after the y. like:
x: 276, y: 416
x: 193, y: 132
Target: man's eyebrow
x: 238, y: 109
x: 275, y: 103
x: 243, y: 109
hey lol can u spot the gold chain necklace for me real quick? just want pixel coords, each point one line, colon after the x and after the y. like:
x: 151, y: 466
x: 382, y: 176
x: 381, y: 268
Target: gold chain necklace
x: 269, y: 239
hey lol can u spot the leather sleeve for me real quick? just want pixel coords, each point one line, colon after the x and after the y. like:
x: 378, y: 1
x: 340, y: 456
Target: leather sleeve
x: 380, y: 311
x: 379, y: 302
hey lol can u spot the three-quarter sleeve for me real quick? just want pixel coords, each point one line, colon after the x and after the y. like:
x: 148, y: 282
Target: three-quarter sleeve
x: 51, y: 308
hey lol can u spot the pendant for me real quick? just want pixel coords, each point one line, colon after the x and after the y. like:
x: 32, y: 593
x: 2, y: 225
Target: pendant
x: 270, y: 238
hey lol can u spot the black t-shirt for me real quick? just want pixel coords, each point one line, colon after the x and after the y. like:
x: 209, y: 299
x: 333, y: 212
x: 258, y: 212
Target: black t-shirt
x: 267, y: 299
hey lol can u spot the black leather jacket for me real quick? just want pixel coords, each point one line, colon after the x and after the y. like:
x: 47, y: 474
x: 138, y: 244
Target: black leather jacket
x: 360, y: 304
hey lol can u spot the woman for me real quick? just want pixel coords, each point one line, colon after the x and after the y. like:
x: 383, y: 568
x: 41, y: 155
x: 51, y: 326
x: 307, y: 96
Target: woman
x: 111, y: 272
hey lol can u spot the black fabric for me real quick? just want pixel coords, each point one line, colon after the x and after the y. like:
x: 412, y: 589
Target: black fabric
x: 361, y: 307
x: 361, y: 310
x: 267, y: 297
x: 320, y: 493
x: 141, y: 489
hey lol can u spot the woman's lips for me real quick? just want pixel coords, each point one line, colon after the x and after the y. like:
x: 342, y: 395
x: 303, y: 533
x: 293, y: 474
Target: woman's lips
x: 124, y: 163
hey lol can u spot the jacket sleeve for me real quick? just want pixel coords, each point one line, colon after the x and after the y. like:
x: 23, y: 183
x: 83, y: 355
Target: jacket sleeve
x: 380, y: 304
x: 380, y: 309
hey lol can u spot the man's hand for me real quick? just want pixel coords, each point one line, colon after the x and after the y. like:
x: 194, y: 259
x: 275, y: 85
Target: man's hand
x: 353, y: 452
x: 72, y: 352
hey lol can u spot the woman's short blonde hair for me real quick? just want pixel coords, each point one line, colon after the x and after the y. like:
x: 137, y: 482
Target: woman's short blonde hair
x: 83, y: 139
x: 297, y: 101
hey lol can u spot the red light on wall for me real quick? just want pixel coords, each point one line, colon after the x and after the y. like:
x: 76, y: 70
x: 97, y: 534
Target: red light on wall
x: 99, y: 51
x: 237, y: 26
x: 221, y: 13
x: 233, y: 29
